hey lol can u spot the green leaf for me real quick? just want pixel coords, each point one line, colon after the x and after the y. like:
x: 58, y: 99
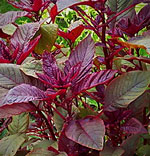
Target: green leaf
x: 19, y: 123
x: 58, y: 120
x: 32, y: 67
x: 126, y: 88
x: 10, y: 144
x: 43, y: 144
x: 47, y: 40
x: 144, y: 150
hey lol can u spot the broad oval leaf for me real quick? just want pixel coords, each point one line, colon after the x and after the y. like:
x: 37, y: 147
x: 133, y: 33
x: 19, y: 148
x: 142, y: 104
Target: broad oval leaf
x: 10, y: 17
x: 32, y: 67
x: 47, y: 40
x: 126, y: 88
x: 10, y: 144
x: 87, y: 132
x: 83, y: 54
x: 23, y: 93
x: 19, y: 123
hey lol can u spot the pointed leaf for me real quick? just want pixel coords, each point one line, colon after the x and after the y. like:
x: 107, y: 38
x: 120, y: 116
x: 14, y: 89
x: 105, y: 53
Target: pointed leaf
x: 10, y: 17
x: 87, y: 132
x: 93, y: 80
x: 19, y: 123
x: 126, y: 88
x: 23, y: 93
x: 133, y: 126
x: 23, y: 35
x: 49, y: 35
x: 83, y: 54
x: 10, y: 144
x: 32, y: 67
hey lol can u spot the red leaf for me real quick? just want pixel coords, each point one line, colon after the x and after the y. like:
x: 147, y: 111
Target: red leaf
x: 14, y: 109
x: 83, y: 54
x: 93, y: 80
x: 37, y: 5
x: 10, y: 17
x: 23, y: 93
x: 3, y: 35
x: 88, y: 132
x: 22, y: 36
x: 133, y: 126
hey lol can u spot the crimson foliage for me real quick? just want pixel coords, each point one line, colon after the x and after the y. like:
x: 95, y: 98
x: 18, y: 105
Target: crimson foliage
x: 93, y: 103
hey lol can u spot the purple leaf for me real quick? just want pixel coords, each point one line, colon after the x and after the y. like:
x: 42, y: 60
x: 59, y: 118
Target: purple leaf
x: 50, y: 67
x: 10, y: 17
x: 16, y: 108
x: 140, y: 1
x: 83, y: 54
x: 93, y: 80
x: 23, y: 93
x: 71, y: 147
x: 88, y: 132
x: 30, y: 5
x: 22, y: 36
x: 133, y: 126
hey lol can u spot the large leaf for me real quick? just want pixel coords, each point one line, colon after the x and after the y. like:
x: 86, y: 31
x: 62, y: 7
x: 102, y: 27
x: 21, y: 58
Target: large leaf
x: 126, y: 88
x: 19, y: 123
x: 23, y: 93
x: 10, y: 17
x: 14, y: 109
x: 87, y: 132
x: 144, y: 150
x: 22, y: 36
x: 49, y: 35
x: 10, y: 144
x: 83, y: 54
x: 93, y: 80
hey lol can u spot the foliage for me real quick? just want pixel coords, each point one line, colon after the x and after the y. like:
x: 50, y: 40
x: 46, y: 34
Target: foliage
x: 74, y: 78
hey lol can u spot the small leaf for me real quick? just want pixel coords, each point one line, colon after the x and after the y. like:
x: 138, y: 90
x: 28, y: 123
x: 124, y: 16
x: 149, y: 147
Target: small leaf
x: 32, y: 67
x: 9, y: 29
x: 87, y: 132
x: 19, y: 123
x: 126, y: 88
x: 10, y: 144
x: 49, y: 35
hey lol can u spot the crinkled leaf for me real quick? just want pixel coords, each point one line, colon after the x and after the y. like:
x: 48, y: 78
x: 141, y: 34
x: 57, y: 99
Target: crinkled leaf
x: 10, y: 17
x: 23, y: 93
x: 88, y: 132
x: 10, y: 144
x: 19, y: 123
x: 93, y: 80
x: 133, y: 126
x: 47, y: 40
x: 126, y: 88
x: 83, y: 54
x: 22, y: 36
x: 32, y: 67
